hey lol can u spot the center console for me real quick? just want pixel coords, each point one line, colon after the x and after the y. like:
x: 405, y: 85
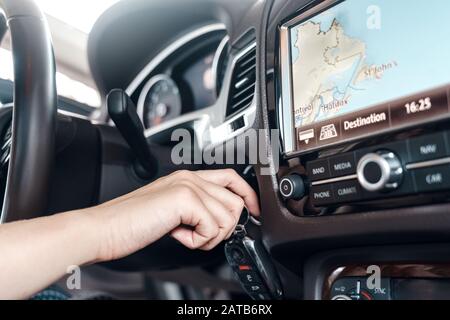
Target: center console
x: 360, y: 92
x: 363, y: 110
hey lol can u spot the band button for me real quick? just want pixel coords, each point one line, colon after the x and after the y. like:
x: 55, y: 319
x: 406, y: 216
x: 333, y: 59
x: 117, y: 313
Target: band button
x: 344, y: 165
x: 428, y: 147
x: 318, y: 170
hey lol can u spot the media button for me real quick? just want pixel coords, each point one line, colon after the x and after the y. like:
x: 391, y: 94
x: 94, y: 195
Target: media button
x: 343, y: 165
x: 432, y: 179
x: 427, y: 148
x: 318, y: 170
x: 347, y: 191
x: 322, y: 195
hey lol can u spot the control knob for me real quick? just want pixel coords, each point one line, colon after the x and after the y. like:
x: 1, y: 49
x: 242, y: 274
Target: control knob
x: 380, y: 172
x: 292, y: 187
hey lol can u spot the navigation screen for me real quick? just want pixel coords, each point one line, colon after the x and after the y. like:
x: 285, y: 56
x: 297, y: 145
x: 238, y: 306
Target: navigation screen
x: 364, y: 66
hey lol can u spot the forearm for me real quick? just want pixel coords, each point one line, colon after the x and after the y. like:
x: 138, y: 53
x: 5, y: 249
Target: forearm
x: 36, y: 253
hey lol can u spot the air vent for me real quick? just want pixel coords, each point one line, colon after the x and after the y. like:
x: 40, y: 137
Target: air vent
x: 243, y: 82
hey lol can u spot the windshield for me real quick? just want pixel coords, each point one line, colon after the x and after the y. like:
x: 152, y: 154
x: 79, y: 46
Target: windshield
x: 80, y: 14
x: 70, y: 23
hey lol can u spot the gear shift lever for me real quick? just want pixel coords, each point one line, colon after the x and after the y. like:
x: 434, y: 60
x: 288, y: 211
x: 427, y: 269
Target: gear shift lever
x: 124, y: 114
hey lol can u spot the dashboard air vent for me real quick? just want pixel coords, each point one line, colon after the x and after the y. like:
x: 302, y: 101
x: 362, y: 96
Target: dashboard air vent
x: 243, y: 82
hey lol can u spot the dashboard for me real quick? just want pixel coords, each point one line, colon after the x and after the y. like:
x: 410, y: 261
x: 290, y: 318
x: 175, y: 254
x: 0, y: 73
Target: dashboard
x: 356, y: 107
x: 189, y: 80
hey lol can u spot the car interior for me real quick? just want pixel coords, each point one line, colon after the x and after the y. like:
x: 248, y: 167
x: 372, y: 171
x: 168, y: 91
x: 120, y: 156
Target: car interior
x: 349, y: 100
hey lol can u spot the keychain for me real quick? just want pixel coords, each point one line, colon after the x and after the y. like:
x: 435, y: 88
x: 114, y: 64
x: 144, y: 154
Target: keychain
x: 251, y: 262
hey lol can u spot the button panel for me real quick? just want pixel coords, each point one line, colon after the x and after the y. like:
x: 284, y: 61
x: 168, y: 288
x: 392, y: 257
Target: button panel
x: 424, y: 160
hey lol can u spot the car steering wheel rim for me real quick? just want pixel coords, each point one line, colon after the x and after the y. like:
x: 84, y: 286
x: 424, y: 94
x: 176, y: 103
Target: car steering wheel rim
x: 34, y: 112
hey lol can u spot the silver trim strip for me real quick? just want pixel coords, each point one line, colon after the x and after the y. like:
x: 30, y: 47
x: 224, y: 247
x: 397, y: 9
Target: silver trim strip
x: 427, y: 164
x: 285, y: 110
x: 163, y: 55
x: 215, y: 65
x: 334, y: 180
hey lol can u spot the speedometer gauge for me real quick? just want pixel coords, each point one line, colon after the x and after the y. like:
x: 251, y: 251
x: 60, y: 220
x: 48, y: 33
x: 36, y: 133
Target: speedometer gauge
x: 160, y: 101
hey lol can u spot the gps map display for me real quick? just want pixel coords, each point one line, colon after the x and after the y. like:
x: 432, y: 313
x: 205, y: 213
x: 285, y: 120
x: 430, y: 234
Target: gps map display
x: 355, y: 68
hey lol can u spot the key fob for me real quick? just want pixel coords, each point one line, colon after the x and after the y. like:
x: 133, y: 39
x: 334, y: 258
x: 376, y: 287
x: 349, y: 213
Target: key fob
x: 251, y: 262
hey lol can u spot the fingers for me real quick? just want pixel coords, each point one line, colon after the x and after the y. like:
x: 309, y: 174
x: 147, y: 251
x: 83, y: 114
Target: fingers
x: 212, y: 222
x: 225, y: 218
x: 196, y: 215
x: 229, y: 199
x: 232, y: 201
x: 231, y: 180
x: 214, y: 203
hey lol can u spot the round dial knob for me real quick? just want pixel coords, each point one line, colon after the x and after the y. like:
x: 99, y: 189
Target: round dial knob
x: 381, y: 171
x: 292, y: 187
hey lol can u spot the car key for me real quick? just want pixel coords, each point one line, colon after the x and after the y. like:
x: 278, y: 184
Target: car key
x: 251, y: 262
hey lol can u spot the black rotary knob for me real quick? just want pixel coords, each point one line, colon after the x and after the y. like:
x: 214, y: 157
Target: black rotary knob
x: 380, y: 172
x: 293, y: 187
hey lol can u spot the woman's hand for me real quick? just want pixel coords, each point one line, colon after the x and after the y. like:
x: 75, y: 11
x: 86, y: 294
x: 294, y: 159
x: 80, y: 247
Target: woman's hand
x: 199, y: 209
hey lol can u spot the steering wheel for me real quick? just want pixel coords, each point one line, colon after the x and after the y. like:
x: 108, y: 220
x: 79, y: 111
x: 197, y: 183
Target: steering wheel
x: 32, y: 148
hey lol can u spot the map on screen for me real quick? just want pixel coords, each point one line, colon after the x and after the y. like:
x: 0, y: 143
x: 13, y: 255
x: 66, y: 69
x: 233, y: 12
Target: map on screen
x: 361, y: 53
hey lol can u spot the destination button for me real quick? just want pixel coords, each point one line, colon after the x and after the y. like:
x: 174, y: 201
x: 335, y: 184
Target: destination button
x: 365, y: 123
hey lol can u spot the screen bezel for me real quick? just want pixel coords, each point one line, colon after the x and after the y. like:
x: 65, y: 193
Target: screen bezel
x: 286, y: 110
x: 285, y: 103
